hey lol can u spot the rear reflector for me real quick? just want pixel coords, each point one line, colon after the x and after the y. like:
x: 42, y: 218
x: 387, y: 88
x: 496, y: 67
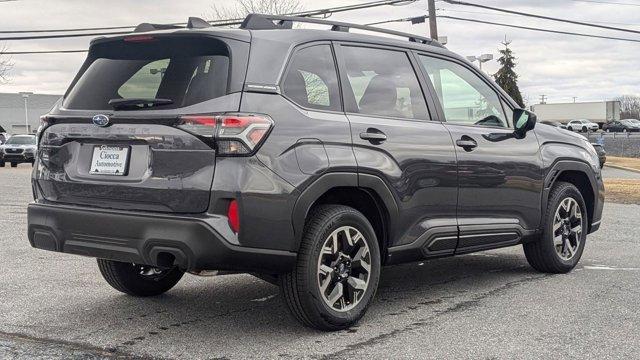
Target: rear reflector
x: 234, y: 216
x: 233, y: 134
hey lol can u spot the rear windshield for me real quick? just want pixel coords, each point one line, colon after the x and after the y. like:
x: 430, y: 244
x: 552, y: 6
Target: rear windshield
x: 184, y: 70
x: 22, y: 140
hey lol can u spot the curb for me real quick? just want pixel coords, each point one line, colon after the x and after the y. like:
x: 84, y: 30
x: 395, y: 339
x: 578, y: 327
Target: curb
x: 622, y: 168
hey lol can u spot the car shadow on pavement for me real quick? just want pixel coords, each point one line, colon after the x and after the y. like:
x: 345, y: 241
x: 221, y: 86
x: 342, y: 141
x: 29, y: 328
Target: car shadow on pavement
x: 236, y: 306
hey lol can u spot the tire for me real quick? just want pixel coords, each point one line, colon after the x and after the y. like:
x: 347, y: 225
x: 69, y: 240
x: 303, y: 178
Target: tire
x: 1, y: 163
x: 301, y: 288
x: 584, y: 129
x: 14, y: 164
x: 569, y: 128
x: 127, y: 278
x: 543, y: 255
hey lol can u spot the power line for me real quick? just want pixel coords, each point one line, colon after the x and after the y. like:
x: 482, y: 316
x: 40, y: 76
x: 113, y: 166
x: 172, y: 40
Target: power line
x: 506, y: 15
x: 326, y: 12
x: 463, y: 3
x: 538, y: 29
x: 606, y: 2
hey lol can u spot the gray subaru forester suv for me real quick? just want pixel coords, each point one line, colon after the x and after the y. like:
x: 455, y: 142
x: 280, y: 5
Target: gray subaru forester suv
x: 309, y: 158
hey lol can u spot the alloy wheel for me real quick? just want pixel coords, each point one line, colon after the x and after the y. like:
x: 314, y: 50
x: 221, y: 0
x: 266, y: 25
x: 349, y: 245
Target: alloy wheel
x: 567, y: 228
x: 344, y: 269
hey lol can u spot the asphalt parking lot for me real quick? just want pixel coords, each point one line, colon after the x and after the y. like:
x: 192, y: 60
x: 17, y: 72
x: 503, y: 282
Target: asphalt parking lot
x: 486, y: 305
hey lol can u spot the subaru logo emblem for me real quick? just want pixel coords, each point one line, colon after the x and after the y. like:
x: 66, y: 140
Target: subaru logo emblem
x: 101, y: 120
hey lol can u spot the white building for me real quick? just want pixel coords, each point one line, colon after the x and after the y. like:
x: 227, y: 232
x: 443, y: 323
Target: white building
x: 12, y: 116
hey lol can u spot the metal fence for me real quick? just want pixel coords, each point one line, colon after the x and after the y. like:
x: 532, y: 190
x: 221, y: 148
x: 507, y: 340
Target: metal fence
x: 617, y: 144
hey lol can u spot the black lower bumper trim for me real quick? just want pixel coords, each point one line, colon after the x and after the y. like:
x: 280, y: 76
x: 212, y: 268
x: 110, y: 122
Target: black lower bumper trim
x: 145, y: 238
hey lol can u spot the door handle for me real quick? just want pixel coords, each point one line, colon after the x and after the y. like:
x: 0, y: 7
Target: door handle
x: 373, y: 135
x: 467, y: 143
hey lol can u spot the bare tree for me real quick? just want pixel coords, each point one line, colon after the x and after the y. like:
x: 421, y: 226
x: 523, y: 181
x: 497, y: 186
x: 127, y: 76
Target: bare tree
x: 241, y: 8
x: 5, y: 65
x: 629, y: 106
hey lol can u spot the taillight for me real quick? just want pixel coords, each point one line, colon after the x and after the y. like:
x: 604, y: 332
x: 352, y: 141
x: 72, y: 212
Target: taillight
x: 234, y: 134
x: 234, y: 216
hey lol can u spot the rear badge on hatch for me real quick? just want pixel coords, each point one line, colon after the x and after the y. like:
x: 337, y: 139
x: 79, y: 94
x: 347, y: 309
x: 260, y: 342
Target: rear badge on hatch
x: 101, y: 120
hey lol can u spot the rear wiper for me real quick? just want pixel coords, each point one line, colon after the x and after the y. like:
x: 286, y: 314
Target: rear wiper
x: 134, y: 104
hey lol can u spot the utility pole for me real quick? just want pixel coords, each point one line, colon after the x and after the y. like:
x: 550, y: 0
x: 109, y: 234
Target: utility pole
x: 433, y: 25
x: 574, y: 99
x: 543, y: 99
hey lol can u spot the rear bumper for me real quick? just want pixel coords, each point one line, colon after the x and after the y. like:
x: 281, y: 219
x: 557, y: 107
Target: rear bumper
x: 191, y: 242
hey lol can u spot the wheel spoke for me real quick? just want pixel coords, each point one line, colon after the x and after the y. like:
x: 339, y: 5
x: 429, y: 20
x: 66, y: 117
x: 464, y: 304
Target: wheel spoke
x: 347, y: 235
x: 360, y: 261
x: 557, y: 240
x: 325, y: 284
x: 577, y: 229
x: 332, y: 249
x: 357, y: 283
x: 568, y: 247
x: 326, y: 270
x: 556, y: 225
x: 336, y: 294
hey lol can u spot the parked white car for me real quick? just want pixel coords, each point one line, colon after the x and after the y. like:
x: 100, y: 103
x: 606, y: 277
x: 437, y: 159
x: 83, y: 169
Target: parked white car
x: 582, y: 125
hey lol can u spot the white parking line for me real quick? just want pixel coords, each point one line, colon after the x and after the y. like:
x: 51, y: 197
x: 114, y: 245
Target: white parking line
x: 609, y: 268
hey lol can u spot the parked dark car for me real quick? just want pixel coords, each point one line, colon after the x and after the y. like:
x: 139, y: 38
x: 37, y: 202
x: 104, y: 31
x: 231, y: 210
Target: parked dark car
x: 309, y: 158
x: 18, y: 149
x: 626, y: 125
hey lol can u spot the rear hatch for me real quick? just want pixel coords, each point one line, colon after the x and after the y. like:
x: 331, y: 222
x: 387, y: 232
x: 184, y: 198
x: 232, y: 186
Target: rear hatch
x: 118, y: 140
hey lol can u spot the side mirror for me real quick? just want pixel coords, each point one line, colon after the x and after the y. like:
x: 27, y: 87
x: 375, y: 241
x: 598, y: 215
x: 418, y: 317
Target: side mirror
x: 523, y: 121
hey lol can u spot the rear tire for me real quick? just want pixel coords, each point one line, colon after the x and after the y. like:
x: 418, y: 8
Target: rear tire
x: 337, y: 271
x: 138, y: 280
x: 565, y: 232
x: 584, y: 129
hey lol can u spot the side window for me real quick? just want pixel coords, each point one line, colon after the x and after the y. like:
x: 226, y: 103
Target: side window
x: 312, y: 81
x: 464, y: 96
x: 384, y: 83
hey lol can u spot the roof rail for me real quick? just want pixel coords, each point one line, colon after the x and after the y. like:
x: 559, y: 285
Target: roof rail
x: 272, y: 22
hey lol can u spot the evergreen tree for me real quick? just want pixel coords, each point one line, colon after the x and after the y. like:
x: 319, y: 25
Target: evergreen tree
x: 506, y: 77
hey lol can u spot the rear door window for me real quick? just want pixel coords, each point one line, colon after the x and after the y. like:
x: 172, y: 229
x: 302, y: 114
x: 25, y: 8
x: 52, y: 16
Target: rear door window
x: 384, y: 83
x: 185, y: 71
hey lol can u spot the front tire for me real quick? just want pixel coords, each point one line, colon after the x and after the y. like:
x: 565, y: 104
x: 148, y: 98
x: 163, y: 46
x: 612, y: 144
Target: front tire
x: 14, y: 164
x: 1, y: 163
x: 565, y: 232
x: 337, y: 271
x: 138, y: 280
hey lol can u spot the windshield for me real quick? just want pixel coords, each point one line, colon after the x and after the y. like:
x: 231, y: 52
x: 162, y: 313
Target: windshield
x: 182, y: 72
x: 22, y: 140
